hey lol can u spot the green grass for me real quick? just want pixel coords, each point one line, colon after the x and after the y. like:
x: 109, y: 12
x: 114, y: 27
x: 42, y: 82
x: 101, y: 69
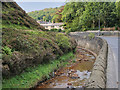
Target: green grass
x: 35, y: 74
x: 13, y: 26
x: 40, y: 33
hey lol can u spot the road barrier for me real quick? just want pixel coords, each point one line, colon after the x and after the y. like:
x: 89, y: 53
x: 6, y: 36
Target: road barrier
x: 97, y: 33
x: 108, y: 29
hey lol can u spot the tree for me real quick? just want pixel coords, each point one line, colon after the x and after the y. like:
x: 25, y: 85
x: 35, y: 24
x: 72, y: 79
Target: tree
x: 118, y: 12
x: 85, y: 15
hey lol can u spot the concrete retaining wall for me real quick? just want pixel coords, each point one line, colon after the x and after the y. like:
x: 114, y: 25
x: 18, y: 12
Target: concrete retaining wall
x: 98, y: 33
x: 100, y: 47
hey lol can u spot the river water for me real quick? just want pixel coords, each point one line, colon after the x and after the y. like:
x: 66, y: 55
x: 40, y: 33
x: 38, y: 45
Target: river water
x: 73, y: 75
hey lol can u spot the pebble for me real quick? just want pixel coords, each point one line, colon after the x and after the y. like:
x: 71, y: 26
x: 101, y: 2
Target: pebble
x: 69, y: 84
x: 79, y: 59
x: 74, y: 76
x: 86, y: 60
x: 73, y: 71
x: 54, y: 84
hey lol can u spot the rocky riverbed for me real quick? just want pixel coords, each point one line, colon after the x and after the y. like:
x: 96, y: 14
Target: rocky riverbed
x: 73, y: 75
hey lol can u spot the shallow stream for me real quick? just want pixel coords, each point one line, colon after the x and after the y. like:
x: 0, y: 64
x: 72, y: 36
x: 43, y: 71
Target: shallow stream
x: 73, y: 75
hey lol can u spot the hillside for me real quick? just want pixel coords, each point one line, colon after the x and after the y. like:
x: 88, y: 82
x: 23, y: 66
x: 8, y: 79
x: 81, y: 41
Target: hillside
x: 46, y: 14
x: 14, y: 16
x: 25, y: 45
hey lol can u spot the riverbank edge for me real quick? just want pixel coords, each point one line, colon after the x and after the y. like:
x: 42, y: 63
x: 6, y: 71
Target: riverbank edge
x: 60, y: 62
x: 100, y: 47
x: 98, y: 75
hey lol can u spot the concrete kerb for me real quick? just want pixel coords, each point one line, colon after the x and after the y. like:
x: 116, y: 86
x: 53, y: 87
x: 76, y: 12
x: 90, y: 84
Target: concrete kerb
x: 100, y: 47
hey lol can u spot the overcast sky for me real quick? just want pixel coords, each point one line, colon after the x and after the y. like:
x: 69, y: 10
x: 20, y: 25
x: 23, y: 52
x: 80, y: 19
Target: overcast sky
x: 32, y: 6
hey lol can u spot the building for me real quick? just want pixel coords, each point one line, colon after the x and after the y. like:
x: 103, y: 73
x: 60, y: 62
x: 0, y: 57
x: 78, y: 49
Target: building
x: 50, y: 26
x: 43, y: 22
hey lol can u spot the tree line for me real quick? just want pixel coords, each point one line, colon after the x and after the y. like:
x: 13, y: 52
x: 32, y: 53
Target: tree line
x: 81, y: 16
x: 48, y: 14
x: 89, y: 15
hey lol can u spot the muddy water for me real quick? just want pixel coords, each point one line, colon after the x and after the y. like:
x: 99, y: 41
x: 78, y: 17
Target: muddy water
x: 75, y: 74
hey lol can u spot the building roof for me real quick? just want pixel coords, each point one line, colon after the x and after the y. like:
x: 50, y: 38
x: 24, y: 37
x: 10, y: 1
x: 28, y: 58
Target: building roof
x: 52, y: 24
x: 43, y: 22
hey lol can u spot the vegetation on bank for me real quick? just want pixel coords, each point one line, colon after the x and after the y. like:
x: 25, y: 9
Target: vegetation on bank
x: 25, y: 43
x: 33, y: 75
x: 29, y: 48
x: 91, y: 35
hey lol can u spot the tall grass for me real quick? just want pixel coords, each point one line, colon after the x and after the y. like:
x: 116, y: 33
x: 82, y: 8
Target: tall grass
x: 35, y: 74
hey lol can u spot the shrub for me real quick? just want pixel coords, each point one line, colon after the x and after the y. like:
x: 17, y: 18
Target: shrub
x: 62, y: 40
x: 84, y: 28
x: 91, y: 35
x: 116, y: 27
x: 68, y: 31
x: 59, y: 30
x: 7, y: 50
x: 96, y: 28
x: 56, y: 30
x: 63, y: 31
x: 53, y: 30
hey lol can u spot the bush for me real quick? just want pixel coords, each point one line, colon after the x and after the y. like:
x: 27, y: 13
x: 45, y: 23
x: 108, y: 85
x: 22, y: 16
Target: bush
x: 62, y: 40
x: 56, y: 30
x: 59, y: 30
x: 7, y: 50
x: 63, y: 31
x: 96, y: 28
x: 84, y: 28
x: 91, y: 35
x: 116, y: 27
x: 68, y: 31
x: 53, y: 30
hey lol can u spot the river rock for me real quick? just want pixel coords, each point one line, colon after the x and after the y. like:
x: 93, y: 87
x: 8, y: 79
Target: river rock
x: 74, y: 76
x: 69, y: 84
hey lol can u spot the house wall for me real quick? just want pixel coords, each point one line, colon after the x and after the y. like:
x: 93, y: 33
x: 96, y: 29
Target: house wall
x: 54, y: 27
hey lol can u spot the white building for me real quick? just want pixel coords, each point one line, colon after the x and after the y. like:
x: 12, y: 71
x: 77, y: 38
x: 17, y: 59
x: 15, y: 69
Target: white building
x: 50, y: 26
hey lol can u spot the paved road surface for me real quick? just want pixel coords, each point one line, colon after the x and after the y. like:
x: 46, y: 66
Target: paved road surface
x: 113, y: 62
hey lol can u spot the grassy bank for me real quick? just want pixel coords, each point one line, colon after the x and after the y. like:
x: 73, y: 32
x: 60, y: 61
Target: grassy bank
x: 35, y: 74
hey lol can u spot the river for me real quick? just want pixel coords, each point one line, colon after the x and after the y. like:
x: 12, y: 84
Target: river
x: 75, y: 74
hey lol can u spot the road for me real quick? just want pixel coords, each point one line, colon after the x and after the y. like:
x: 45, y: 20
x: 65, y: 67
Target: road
x: 113, y: 62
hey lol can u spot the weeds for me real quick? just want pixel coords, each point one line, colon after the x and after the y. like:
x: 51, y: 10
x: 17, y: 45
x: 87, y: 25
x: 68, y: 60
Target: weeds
x: 62, y: 40
x: 7, y: 50
x: 73, y: 61
x: 33, y: 75
x: 91, y: 35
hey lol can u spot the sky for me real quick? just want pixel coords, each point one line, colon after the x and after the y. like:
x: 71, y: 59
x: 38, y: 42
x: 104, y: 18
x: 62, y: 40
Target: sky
x: 32, y: 6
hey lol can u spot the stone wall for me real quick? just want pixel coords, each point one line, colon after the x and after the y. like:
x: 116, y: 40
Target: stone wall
x: 100, y: 47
